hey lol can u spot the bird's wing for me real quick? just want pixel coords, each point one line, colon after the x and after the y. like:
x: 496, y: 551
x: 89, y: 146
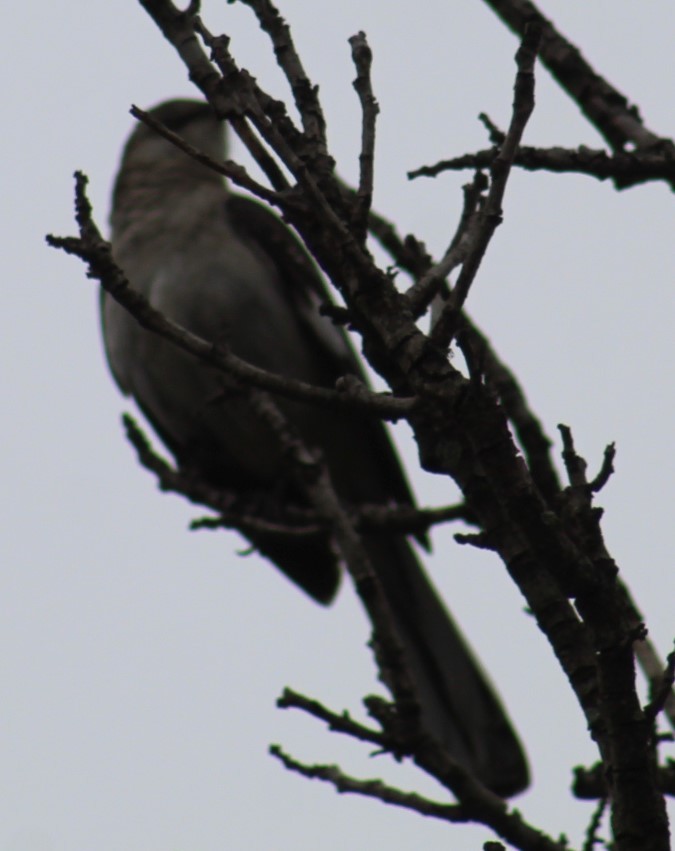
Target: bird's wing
x: 306, y: 289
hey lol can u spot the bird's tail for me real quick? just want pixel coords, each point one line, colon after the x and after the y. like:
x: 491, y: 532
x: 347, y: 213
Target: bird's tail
x: 459, y: 706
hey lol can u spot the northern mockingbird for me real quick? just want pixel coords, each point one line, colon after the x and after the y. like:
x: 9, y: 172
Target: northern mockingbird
x: 226, y: 268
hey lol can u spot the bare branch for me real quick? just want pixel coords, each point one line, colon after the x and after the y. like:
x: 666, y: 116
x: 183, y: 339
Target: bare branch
x: 363, y: 57
x: 491, y: 216
x: 590, y: 784
x: 432, y: 281
x: 229, y: 169
x: 598, y: 483
x: 338, y: 723
x: 476, y: 805
x: 592, y: 838
x: 305, y: 93
x: 604, y: 106
x: 343, y: 783
x: 480, y: 542
x: 624, y: 168
x: 663, y: 697
x: 408, y: 253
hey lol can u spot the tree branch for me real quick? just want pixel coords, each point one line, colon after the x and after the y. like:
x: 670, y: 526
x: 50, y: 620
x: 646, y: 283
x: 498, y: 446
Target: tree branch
x: 372, y: 789
x: 362, y: 58
x: 609, y: 111
x: 491, y: 215
x: 624, y: 168
x: 248, y: 512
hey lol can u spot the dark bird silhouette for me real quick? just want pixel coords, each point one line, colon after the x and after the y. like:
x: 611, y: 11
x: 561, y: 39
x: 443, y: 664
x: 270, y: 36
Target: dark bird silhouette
x: 226, y: 268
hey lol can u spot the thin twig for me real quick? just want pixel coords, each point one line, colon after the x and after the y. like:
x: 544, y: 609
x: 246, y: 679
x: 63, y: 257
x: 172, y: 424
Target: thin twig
x: 362, y: 57
x: 232, y: 170
x: 491, y: 216
x: 592, y: 838
x: 662, y: 691
x: 599, y: 482
x: 338, y: 723
x: 343, y: 783
x: 624, y: 168
x: 425, y: 289
x: 305, y: 93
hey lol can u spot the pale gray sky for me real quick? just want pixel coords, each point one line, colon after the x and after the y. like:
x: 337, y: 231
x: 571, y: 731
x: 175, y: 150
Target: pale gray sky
x: 139, y: 662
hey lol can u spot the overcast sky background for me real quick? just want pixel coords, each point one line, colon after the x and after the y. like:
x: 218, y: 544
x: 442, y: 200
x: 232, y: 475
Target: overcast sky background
x: 140, y: 662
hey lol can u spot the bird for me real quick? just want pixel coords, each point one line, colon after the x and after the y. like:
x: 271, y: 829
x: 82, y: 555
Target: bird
x: 228, y: 269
